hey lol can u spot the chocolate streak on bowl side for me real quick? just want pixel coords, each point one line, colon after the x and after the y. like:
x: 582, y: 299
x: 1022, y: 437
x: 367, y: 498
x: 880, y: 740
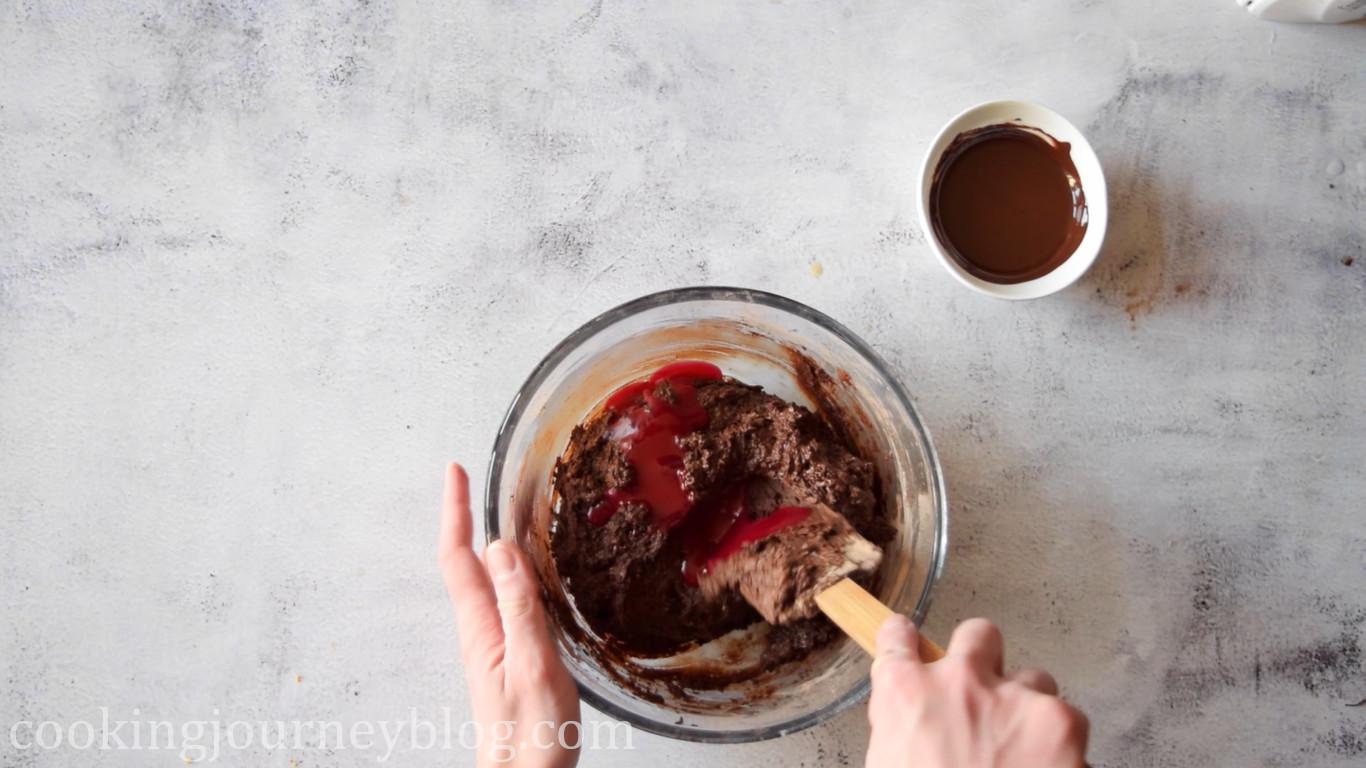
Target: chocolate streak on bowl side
x: 624, y: 575
x: 1006, y: 203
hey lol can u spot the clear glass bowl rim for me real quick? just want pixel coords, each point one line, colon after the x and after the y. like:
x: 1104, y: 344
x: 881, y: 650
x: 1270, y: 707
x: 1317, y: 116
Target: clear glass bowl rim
x: 939, y: 546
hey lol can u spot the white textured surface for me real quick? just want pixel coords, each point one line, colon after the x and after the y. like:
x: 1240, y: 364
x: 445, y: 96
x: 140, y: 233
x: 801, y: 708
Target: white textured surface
x: 263, y: 269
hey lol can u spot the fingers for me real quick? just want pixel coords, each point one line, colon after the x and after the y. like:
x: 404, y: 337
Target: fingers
x: 1036, y: 679
x: 1065, y: 727
x: 456, y: 526
x: 526, y: 640
x: 898, y: 637
x: 1080, y: 726
x: 897, y: 651
x: 980, y: 642
x: 476, y: 613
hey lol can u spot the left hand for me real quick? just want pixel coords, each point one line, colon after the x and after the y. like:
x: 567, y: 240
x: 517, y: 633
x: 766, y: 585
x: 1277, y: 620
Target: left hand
x: 524, y: 701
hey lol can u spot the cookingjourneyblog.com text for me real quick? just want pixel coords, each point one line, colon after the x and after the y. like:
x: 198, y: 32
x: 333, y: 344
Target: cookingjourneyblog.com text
x: 206, y: 740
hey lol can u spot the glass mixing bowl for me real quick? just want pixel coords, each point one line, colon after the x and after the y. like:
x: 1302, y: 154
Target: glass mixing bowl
x: 758, y: 338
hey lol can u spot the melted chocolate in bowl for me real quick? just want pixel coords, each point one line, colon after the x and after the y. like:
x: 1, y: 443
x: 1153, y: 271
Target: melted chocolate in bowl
x: 1006, y: 202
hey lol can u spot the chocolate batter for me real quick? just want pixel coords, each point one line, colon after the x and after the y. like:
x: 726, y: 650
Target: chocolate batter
x: 627, y: 555
x: 799, y: 553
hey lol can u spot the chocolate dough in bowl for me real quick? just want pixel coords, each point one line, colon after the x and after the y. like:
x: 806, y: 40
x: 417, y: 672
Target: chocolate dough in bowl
x: 642, y: 646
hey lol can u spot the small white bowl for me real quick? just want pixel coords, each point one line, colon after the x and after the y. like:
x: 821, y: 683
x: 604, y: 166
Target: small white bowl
x: 1092, y: 184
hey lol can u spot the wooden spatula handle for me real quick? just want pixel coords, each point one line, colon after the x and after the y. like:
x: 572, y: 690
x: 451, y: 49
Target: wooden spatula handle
x: 860, y: 615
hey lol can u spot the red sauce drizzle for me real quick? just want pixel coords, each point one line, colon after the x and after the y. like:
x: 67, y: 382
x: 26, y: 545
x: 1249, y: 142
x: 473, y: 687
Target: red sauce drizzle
x: 707, y: 527
x: 647, y: 431
x: 747, y: 530
x: 716, y: 531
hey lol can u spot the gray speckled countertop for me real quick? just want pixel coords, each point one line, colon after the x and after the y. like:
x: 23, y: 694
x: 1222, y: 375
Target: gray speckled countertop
x: 264, y: 268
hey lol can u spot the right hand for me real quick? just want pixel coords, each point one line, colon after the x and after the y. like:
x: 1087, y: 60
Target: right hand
x: 962, y: 711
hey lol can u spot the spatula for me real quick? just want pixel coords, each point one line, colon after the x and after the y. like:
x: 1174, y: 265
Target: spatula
x: 805, y: 568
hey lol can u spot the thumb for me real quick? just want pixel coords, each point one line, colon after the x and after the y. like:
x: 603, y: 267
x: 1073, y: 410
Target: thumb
x: 898, y: 637
x: 525, y: 638
x: 897, y: 651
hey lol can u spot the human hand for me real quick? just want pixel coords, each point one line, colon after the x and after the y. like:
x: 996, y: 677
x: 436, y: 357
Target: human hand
x: 961, y: 711
x: 524, y: 702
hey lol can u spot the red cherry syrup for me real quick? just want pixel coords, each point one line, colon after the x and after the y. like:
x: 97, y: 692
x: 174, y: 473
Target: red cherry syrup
x: 647, y: 430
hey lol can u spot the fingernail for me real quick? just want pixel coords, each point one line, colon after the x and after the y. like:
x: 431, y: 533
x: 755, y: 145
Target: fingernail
x: 500, y: 559
x: 901, y: 621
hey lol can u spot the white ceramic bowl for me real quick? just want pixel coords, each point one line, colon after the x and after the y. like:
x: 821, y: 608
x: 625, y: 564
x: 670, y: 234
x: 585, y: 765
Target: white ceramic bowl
x: 1092, y: 184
